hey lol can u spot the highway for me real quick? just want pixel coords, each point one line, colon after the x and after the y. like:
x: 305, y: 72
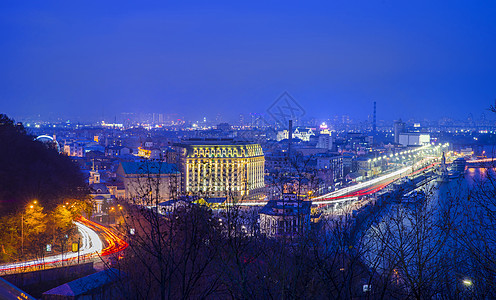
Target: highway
x: 91, y: 246
x: 364, y: 188
x: 372, y: 186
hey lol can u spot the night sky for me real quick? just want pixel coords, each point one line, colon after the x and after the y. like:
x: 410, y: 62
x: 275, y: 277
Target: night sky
x: 85, y: 59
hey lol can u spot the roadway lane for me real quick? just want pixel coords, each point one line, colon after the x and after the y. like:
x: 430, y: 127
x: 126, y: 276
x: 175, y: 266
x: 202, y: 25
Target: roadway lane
x: 91, y: 246
x: 365, y: 187
x: 371, y: 186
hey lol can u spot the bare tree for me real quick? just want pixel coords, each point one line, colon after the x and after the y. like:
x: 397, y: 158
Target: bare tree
x: 412, y: 244
x: 170, y: 255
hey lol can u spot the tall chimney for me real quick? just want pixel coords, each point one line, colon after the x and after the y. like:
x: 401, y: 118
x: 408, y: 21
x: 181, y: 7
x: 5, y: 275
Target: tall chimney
x: 290, y: 137
x: 374, y: 124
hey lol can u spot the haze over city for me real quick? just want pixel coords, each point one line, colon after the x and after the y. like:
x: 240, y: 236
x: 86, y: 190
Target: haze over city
x: 94, y: 60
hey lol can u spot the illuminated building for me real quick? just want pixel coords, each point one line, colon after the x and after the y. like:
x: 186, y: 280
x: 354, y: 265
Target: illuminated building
x: 75, y: 149
x: 303, y: 134
x: 98, y: 191
x: 149, y: 151
x: 414, y: 139
x: 222, y: 168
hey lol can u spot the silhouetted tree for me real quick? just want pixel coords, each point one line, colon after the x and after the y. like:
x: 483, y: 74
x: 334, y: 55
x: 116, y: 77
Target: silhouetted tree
x: 32, y: 171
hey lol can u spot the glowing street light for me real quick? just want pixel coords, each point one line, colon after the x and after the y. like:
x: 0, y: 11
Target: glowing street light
x: 22, y: 229
x: 467, y: 282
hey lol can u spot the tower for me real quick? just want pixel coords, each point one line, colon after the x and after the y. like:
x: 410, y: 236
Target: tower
x: 290, y: 137
x: 94, y: 175
x: 374, y: 124
x: 399, y: 127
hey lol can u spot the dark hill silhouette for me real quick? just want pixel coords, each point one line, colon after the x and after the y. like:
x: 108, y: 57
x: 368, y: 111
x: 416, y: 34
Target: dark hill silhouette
x: 29, y: 170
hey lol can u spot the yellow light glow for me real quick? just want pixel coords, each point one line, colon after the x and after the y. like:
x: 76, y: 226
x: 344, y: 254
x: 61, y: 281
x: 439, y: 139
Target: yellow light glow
x: 467, y: 282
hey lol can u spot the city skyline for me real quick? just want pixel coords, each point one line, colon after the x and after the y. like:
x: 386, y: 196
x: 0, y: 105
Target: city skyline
x: 258, y: 150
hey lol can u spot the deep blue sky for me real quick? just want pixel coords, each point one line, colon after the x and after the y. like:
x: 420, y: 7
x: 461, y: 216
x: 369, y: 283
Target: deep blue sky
x: 83, y: 58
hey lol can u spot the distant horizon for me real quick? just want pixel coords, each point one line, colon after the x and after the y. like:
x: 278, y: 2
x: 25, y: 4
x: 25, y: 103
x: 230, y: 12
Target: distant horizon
x: 109, y: 116
x: 231, y: 119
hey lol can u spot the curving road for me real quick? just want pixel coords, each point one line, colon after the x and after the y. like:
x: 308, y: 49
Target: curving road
x: 91, y: 246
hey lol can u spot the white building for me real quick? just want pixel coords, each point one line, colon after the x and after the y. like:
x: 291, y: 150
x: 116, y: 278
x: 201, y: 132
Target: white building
x: 303, y: 134
x: 75, y: 149
x: 414, y: 139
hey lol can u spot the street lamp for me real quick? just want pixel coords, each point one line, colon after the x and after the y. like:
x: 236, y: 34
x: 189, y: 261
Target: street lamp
x: 22, y: 229
x: 467, y: 282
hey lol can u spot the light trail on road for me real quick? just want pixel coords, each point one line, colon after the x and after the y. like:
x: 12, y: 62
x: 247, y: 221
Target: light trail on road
x: 363, y: 188
x: 491, y: 159
x: 91, y: 246
x: 369, y: 187
x: 115, y: 243
x: 362, y: 185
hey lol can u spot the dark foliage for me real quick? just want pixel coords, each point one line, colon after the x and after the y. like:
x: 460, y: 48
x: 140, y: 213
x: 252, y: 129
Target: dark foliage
x: 30, y: 170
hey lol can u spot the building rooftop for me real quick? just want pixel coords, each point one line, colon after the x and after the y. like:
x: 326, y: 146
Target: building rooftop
x: 214, y: 141
x: 86, y: 285
x: 8, y: 291
x: 288, y: 206
x: 148, y: 167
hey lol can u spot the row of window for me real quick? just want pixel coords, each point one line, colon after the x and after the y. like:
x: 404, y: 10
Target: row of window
x: 217, y: 152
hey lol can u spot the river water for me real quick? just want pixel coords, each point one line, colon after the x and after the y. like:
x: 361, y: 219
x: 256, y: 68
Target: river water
x: 442, y: 241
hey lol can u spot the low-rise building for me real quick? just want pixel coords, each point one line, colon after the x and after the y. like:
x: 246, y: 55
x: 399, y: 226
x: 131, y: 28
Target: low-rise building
x: 277, y: 160
x: 75, y: 149
x: 117, y: 150
x: 414, y: 139
x: 363, y: 164
x: 301, y: 133
x: 99, y: 193
x: 150, y: 153
x: 149, y: 183
x: 285, y: 218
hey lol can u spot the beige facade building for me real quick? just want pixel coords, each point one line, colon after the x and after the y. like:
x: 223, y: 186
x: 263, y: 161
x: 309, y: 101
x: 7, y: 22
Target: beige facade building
x: 149, y: 183
x: 222, y: 168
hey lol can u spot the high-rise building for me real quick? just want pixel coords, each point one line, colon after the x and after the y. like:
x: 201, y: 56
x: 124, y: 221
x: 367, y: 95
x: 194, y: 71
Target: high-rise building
x: 399, y: 127
x: 325, y: 141
x: 221, y: 168
x: 374, y: 121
